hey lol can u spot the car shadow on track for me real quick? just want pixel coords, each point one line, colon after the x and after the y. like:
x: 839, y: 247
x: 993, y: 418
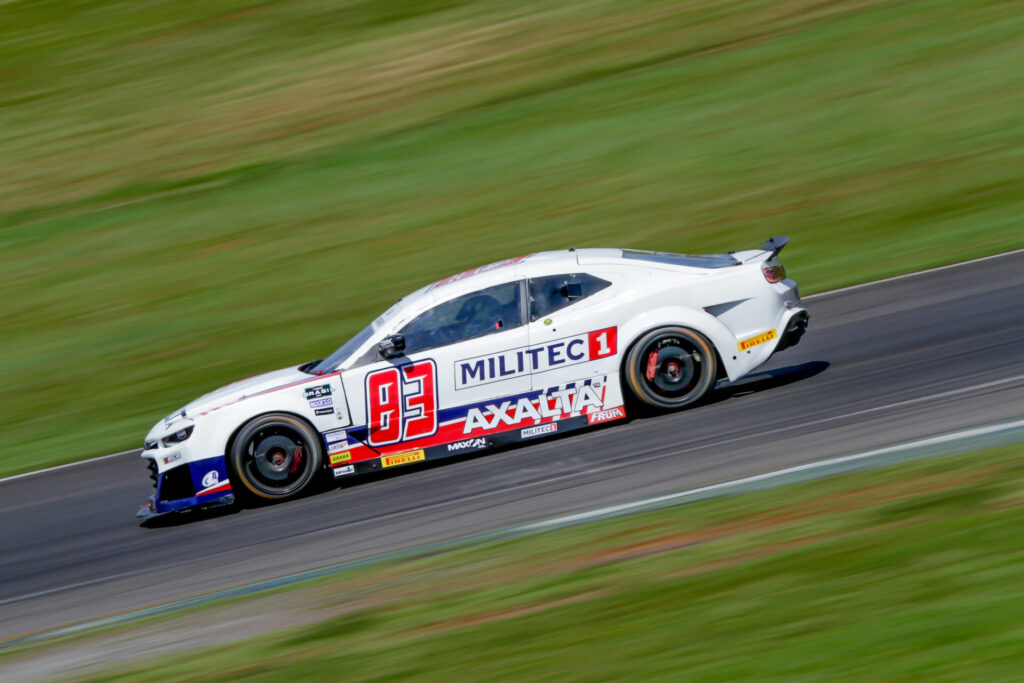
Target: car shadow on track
x: 751, y: 384
x: 764, y: 381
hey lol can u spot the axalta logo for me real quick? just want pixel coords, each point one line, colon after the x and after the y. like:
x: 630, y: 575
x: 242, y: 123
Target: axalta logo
x: 538, y: 430
x: 553, y: 404
x: 468, y: 444
x: 581, y: 348
x: 211, y: 478
x: 606, y: 416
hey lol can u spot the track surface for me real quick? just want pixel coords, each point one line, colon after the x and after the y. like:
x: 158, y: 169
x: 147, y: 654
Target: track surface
x: 880, y: 364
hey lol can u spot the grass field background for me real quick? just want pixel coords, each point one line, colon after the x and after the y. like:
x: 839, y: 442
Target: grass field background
x: 191, y: 192
x: 911, y: 572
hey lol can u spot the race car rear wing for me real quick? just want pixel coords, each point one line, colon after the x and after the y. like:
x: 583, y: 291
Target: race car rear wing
x: 764, y: 252
x: 775, y: 245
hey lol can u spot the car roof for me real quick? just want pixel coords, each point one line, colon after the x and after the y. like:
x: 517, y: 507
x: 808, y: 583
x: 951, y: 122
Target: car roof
x: 562, y: 261
x: 549, y: 263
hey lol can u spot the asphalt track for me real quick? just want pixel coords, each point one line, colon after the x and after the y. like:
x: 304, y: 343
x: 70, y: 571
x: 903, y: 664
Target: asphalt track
x: 884, y: 363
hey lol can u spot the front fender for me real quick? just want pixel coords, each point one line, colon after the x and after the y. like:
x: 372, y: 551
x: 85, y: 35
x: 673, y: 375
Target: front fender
x: 320, y: 401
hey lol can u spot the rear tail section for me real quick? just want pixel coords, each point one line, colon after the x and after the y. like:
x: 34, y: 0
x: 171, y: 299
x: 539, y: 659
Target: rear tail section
x: 772, y: 304
x: 767, y: 256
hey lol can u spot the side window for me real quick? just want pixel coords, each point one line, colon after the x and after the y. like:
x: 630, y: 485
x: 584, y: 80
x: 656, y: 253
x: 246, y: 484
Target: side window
x: 487, y: 311
x: 554, y: 292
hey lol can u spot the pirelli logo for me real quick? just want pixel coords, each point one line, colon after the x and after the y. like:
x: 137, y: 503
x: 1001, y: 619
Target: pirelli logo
x: 403, y: 458
x: 338, y: 458
x: 755, y: 340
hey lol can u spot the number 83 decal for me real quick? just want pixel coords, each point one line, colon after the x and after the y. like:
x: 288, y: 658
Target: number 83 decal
x: 401, y: 403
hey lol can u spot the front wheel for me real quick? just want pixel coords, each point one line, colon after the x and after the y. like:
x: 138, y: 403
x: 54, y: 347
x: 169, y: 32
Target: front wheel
x: 276, y: 456
x: 670, y: 367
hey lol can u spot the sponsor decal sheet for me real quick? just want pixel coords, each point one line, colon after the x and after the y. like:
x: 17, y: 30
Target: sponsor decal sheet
x: 405, y: 415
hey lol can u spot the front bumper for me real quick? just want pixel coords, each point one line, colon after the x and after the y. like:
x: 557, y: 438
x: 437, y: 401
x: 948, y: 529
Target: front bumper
x: 149, y: 511
x: 190, y: 485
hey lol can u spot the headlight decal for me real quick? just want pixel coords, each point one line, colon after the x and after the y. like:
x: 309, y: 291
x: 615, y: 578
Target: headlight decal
x: 178, y: 436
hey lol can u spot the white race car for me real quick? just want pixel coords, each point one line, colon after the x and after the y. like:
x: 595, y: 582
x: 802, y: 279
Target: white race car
x: 515, y: 350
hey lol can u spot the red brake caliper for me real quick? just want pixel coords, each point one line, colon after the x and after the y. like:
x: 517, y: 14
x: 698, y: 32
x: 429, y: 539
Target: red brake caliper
x: 652, y: 365
x: 296, y: 459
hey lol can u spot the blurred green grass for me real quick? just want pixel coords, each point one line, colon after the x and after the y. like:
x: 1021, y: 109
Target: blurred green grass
x: 909, y: 572
x: 192, y: 192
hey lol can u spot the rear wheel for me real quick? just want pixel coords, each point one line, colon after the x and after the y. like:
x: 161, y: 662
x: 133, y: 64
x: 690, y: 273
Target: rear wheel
x: 276, y: 456
x: 671, y: 367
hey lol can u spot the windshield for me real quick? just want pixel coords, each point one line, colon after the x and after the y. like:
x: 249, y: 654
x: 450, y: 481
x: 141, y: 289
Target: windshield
x: 348, y: 348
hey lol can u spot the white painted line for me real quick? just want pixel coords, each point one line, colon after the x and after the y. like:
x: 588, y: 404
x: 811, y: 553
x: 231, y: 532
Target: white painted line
x: 888, y: 406
x: 733, y: 483
x: 496, y: 535
x: 671, y: 452
x: 809, y: 296
x: 914, y: 274
x: 65, y: 587
x: 33, y: 473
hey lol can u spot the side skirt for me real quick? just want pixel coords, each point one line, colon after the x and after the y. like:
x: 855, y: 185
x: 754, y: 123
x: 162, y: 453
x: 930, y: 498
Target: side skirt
x: 477, y: 444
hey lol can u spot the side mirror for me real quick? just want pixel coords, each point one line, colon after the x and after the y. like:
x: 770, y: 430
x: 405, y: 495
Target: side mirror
x: 393, y: 346
x: 572, y: 290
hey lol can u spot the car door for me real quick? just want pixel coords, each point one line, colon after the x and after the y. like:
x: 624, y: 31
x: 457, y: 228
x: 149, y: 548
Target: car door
x: 458, y: 369
x: 573, y: 341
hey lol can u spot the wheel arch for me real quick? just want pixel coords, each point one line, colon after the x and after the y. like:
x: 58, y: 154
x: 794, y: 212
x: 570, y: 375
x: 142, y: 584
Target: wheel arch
x: 701, y: 322
x: 242, y: 423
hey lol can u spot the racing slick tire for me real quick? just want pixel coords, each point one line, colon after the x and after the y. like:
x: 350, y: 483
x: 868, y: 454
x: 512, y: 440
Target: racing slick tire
x: 275, y: 456
x: 670, y: 367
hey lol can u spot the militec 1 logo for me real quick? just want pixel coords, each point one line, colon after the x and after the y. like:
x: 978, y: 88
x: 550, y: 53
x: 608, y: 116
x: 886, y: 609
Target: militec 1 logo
x: 495, y: 367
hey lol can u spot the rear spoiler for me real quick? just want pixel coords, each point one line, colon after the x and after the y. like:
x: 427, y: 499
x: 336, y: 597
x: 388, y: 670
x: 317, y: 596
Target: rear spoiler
x: 774, y: 245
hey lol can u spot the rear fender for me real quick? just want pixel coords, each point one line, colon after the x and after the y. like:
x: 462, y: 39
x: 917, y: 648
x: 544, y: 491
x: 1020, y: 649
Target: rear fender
x: 679, y: 316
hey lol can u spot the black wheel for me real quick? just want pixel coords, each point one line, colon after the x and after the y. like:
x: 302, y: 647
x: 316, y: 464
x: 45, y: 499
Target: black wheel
x: 276, y: 456
x: 670, y: 367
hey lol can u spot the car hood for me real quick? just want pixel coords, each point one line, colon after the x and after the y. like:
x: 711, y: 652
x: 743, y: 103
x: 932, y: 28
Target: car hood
x: 236, y: 391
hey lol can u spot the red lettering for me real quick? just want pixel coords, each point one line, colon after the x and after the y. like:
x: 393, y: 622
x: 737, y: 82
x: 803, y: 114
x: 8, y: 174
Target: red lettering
x: 384, y: 401
x: 401, y: 405
x: 421, y: 402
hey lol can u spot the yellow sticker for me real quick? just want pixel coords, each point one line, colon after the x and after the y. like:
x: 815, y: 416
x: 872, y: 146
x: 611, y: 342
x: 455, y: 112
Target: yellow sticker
x: 338, y: 458
x: 403, y: 458
x: 757, y: 339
